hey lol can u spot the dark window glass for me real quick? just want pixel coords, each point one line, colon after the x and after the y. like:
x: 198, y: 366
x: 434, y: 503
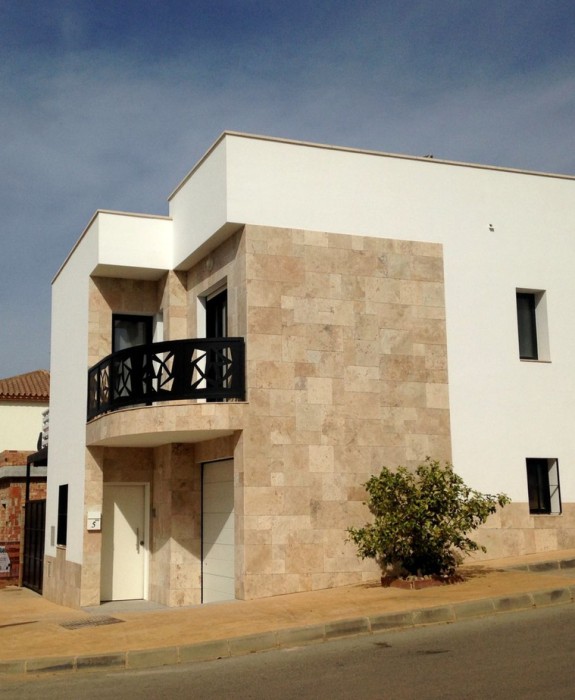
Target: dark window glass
x: 217, y: 315
x: 129, y: 331
x: 527, y: 327
x: 538, y: 486
x: 62, y: 532
x: 216, y: 327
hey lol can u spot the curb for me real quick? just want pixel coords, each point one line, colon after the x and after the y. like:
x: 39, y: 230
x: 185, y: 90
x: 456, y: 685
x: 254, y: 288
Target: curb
x: 543, y: 566
x: 293, y: 637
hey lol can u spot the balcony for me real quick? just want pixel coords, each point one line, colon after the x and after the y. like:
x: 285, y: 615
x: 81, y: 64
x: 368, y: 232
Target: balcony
x: 212, y: 369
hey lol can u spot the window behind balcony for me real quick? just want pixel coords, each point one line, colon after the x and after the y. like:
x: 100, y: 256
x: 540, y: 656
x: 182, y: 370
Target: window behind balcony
x: 217, y: 315
x: 216, y: 327
x: 129, y: 331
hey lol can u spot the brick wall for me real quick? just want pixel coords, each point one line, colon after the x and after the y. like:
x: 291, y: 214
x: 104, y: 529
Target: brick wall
x: 12, y: 497
x: 11, y: 458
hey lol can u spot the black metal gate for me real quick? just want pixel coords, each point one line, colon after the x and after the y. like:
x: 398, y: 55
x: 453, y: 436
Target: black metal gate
x: 34, y: 527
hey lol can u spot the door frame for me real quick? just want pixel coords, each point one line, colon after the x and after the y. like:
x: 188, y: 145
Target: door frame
x: 146, y: 558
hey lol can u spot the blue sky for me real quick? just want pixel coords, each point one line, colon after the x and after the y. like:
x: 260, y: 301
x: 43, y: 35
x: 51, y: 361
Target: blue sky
x: 107, y: 104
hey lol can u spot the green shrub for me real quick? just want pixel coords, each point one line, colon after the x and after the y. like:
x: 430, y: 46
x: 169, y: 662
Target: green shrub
x: 422, y: 519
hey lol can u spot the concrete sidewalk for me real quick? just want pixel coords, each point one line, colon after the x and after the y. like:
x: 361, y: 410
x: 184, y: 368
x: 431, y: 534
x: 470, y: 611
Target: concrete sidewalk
x: 39, y: 636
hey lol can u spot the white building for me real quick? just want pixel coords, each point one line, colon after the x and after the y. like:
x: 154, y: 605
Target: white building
x: 377, y: 298
x: 23, y: 400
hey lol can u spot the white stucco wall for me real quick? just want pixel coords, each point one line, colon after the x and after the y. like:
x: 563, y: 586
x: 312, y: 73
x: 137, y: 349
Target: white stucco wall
x: 20, y: 425
x: 68, y: 392
x: 502, y: 410
x: 198, y: 206
x: 134, y: 245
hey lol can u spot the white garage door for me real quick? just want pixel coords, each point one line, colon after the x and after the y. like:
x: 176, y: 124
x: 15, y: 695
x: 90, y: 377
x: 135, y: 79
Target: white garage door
x: 218, y: 576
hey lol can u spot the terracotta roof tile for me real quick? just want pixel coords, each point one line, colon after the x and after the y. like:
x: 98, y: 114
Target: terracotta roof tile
x: 32, y: 386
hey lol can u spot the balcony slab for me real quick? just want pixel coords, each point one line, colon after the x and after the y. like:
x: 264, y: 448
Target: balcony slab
x: 161, y: 424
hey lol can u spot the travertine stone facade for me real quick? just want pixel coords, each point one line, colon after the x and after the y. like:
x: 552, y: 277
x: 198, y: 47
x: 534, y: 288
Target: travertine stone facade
x: 512, y: 531
x: 166, y: 418
x: 176, y: 521
x: 126, y: 296
x: 62, y: 580
x: 122, y: 296
x: 173, y: 472
x: 346, y: 371
x: 94, y: 478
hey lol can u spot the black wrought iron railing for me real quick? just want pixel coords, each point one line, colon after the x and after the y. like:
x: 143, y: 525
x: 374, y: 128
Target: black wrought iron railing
x: 200, y: 368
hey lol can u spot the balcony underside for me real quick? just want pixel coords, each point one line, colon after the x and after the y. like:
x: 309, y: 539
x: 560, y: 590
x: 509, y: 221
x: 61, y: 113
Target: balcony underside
x: 151, y: 426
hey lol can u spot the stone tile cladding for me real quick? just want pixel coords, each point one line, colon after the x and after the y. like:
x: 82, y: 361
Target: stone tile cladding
x: 62, y: 580
x: 109, y: 296
x: 126, y: 296
x: 346, y: 372
x: 513, y: 532
x: 176, y: 520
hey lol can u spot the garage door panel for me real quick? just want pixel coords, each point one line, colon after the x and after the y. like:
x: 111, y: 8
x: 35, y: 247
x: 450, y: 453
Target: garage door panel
x: 215, y: 533
x: 218, y: 542
x: 213, y: 476
x: 217, y: 497
x: 217, y: 595
x: 220, y: 567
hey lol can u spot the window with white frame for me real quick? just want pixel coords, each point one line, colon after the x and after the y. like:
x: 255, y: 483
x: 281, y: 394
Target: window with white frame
x: 532, y: 324
x: 543, y: 486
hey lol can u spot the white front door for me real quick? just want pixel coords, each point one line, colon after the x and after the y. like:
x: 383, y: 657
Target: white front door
x: 123, y: 542
x: 218, y: 549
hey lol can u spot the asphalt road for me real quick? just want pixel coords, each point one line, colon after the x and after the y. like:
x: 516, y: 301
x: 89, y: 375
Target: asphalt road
x: 523, y: 655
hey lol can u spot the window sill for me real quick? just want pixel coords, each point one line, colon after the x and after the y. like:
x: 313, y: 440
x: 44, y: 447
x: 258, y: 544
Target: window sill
x: 540, y: 362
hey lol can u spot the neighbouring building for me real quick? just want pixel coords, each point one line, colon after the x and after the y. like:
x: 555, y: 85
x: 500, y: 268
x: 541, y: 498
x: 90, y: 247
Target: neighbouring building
x: 23, y: 401
x: 14, y: 475
x: 23, y: 409
x: 225, y: 378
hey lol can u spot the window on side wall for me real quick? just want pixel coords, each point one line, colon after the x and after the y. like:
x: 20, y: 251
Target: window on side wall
x: 532, y: 325
x: 62, y: 530
x: 543, y: 486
